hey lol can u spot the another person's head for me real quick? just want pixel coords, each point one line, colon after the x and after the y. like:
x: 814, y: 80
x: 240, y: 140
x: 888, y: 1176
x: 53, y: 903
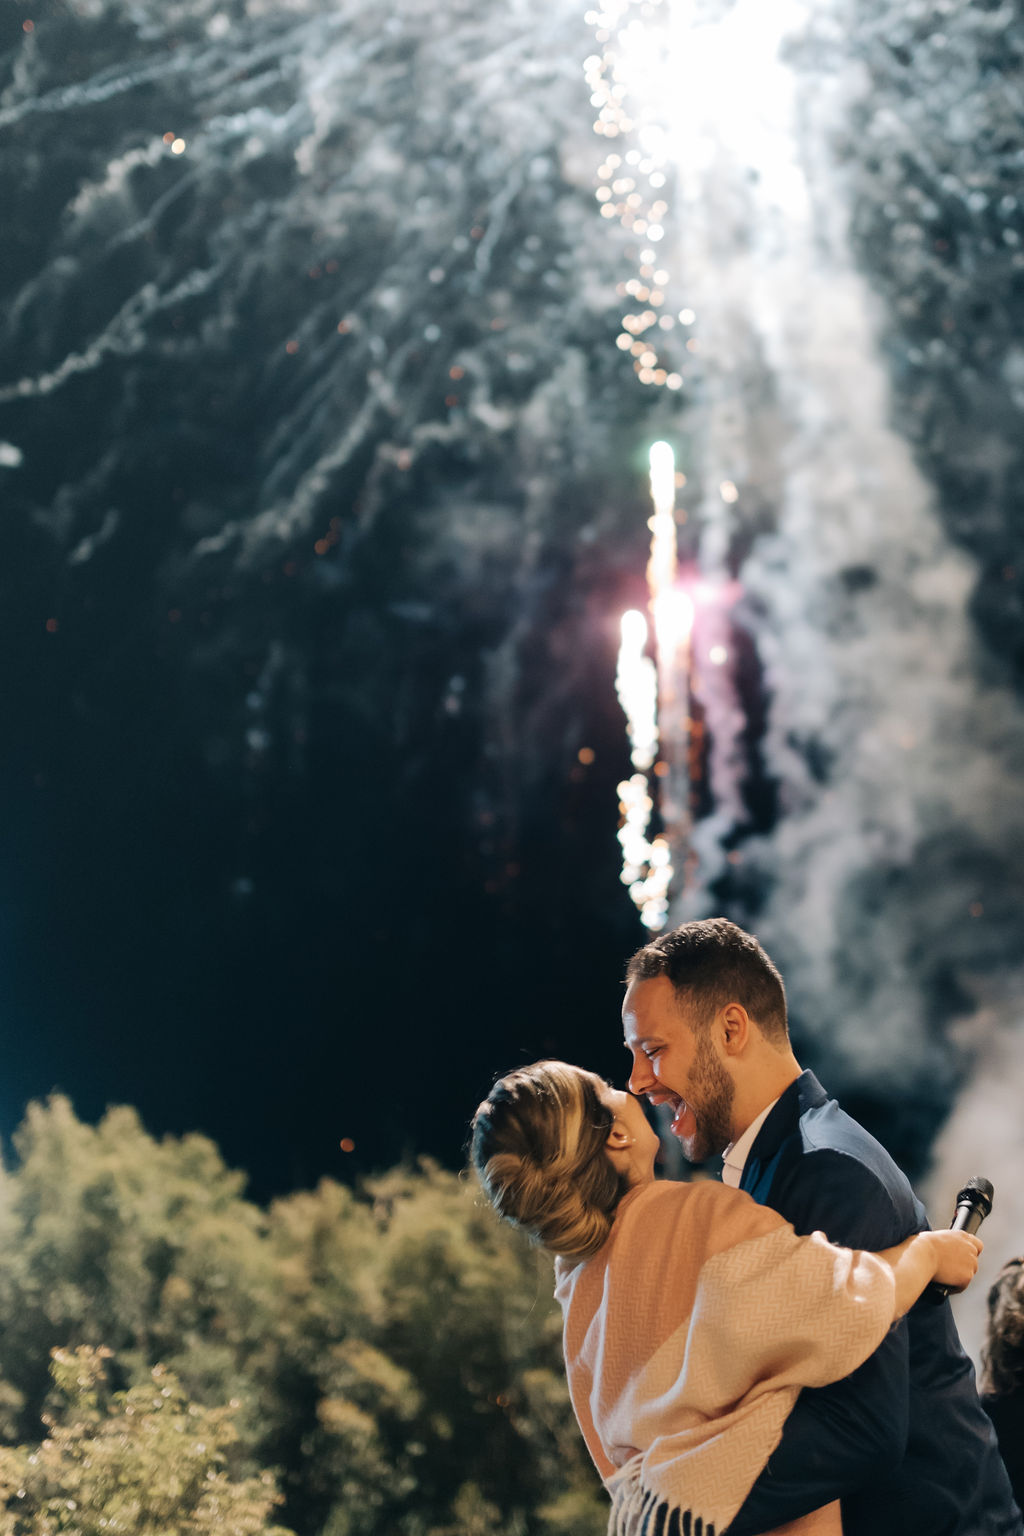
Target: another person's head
x: 555, y: 1150
x: 704, y: 1019
x: 1002, y: 1356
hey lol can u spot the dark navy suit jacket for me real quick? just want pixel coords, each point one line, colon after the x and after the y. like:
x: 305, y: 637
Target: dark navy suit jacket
x: 903, y: 1440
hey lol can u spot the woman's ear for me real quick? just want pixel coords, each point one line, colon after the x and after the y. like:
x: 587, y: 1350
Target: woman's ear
x: 619, y: 1138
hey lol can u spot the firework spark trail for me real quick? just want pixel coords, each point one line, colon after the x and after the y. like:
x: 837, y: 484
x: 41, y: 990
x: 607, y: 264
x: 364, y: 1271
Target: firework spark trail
x: 125, y: 334
x: 672, y: 610
x: 630, y: 86
x: 646, y: 863
x: 636, y: 684
x: 651, y: 694
x: 699, y: 105
x: 799, y: 476
x: 628, y: 83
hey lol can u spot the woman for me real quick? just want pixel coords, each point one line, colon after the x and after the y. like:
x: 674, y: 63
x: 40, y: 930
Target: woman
x: 693, y: 1316
x: 1002, y: 1359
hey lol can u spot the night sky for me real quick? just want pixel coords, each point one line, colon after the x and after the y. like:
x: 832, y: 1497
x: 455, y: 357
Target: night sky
x: 323, y: 487
x: 369, y: 984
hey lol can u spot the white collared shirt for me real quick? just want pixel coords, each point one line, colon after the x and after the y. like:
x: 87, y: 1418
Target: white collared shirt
x: 734, y: 1158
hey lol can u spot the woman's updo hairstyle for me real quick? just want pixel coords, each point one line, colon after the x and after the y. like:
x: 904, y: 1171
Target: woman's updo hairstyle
x: 1002, y: 1354
x: 539, y: 1149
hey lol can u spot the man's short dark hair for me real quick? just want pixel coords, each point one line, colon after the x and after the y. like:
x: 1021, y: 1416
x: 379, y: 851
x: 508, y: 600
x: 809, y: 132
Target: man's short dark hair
x: 711, y: 963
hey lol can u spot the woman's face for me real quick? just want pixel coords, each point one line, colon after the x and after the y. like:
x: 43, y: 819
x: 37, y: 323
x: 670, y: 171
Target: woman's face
x: 631, y: 1128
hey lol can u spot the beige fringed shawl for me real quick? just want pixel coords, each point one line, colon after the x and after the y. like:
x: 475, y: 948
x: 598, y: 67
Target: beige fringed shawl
x: 688, y: 1337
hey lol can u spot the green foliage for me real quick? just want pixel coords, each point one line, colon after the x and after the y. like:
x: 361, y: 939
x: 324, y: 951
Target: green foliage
x: 146, y: 1461
x: 392, y: 1354
x: 457, y: 1366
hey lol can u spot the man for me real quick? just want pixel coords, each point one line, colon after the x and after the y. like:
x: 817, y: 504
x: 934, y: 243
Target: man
x: 904, y: 1440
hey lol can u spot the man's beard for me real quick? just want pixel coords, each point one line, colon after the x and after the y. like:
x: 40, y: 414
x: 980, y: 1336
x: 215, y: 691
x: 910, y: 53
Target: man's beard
x: 713, y: 1091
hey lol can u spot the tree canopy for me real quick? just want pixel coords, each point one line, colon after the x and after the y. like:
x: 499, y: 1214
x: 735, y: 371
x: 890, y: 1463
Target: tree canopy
x: 348, y: 1362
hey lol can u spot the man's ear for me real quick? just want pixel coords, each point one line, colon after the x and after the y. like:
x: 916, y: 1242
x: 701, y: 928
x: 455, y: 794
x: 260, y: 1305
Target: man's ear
x: 736, y: 1028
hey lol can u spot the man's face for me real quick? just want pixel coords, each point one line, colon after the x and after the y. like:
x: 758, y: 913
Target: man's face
x: 673, y: 1064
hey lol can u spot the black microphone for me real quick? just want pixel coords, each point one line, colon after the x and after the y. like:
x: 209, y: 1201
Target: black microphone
x: 973, y: 1204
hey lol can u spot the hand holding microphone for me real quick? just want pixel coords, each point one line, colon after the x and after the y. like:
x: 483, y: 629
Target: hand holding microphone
x: 958, y: 1259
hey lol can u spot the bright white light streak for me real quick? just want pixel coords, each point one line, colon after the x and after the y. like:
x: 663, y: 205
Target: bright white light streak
x: 673, y: 626
x: 636, y: 683
x: 654, y: 699
x: 635, y: 806
x: 661, y: 567
x: 646, y: 865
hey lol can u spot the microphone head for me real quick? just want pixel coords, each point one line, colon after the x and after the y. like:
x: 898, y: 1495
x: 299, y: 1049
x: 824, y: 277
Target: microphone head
x: 977, y: 1192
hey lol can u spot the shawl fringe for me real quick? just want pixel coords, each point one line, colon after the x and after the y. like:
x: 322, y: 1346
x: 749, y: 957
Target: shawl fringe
x: 638, y: 1511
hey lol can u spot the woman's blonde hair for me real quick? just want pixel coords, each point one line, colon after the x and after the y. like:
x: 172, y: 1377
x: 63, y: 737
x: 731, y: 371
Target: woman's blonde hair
x: 538, y: 1145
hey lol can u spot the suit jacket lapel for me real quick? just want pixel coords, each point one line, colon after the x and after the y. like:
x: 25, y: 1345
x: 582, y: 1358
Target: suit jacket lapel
x: 776, y: 1136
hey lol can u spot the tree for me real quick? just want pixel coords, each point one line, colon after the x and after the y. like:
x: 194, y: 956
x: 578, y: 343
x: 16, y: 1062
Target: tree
x: 391, y: 1352
x: 146, y: 1462
x: 445, y: 1408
